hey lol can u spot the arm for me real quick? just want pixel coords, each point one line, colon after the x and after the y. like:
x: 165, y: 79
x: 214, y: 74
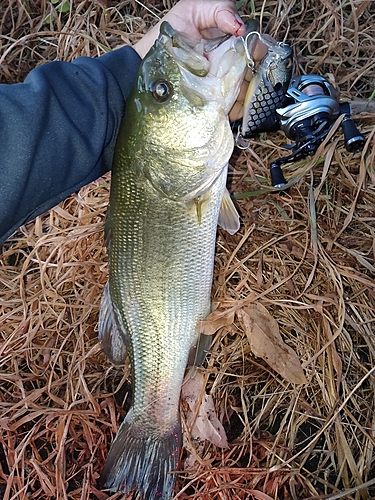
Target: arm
x: 58, y: 131
x: 59, y: 127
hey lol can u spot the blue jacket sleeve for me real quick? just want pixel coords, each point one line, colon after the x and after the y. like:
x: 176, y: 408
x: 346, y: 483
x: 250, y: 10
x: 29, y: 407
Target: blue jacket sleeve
x: 58, y: 130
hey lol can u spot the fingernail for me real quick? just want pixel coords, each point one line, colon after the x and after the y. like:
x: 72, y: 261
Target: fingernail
x: 239, y: 26
x: 238, y: 18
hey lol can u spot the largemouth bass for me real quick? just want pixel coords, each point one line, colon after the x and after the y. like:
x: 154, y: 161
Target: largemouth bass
x: 168, y: 184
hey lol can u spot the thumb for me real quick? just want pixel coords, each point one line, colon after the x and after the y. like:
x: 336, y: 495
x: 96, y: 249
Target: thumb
x: 228, y: 21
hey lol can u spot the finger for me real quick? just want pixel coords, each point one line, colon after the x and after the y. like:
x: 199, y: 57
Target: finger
x: 260, y: 50
x: 243, y: 90
x: 248, y: 75
x: 229, y: 21
x: 210, y: 33
x: 236, y: 112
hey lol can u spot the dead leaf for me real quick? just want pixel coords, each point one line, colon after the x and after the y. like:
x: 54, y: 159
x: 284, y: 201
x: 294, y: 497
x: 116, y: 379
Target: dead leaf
x: 206, y: 425
x: 214, y: 321
x: 265, y: 341
x: 209, y: 425
x: 99, y: 494
x: 259, y: 495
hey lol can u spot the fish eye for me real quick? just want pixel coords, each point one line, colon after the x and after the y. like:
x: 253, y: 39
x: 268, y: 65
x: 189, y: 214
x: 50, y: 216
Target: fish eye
x: 161, y: 90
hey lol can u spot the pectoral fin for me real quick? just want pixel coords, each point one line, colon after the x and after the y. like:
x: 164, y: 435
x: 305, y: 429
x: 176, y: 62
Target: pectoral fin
x: 111, y: 340
x: 228, y: 215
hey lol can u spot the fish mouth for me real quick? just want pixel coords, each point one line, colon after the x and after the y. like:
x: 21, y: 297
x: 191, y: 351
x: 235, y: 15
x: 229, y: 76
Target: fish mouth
x: 210, y: 69
x: 185, y: 50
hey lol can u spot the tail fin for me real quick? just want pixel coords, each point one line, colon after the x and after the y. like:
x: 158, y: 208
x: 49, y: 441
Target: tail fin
x: 142, y: 461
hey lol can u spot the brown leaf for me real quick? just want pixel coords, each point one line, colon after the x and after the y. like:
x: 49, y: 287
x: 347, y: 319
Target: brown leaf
x: 259, y: 495
x: 209, y: 425
x: 100, y: 495
x: 214, y: 321
x: 206, y: 424
x: 265, y: 341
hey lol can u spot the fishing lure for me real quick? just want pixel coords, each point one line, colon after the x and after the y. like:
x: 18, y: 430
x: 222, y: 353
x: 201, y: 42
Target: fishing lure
x: 267, y: 88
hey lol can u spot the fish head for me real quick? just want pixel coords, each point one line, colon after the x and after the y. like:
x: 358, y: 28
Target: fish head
x: 277, y: 65
x: 178, y: 111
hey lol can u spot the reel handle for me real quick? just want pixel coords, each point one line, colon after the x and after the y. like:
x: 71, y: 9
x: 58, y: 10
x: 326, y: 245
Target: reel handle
x: 353, y: 139
x: 277, y: 176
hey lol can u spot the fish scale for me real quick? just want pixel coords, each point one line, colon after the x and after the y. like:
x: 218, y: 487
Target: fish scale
x: 169, y: 313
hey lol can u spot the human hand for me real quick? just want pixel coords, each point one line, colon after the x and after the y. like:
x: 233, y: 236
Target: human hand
x: 236, y: 113
x: 198, y: 19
